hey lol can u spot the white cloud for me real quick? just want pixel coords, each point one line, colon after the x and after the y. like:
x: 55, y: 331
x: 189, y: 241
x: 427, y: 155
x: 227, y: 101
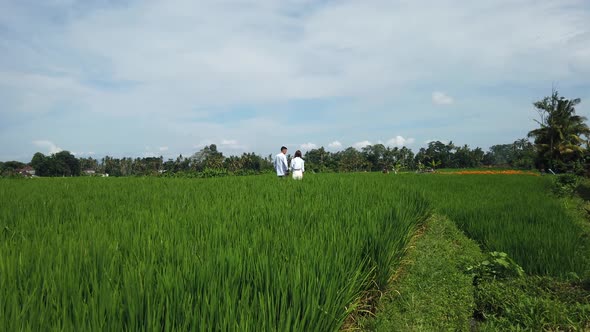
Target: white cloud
x: 227, y: 146
x: 229, y: 142
x: 361, y: 144
x: 232, y: 146
x: 440, y: 98
x: 49, y: 146
x: 163, y: 148
x: 308, y: 146
x: 82, y: 154
x: 259, y: 52
x: 335, y: 145
x: 203, y: 143
x: 400, y: 141
x: 327, y: 51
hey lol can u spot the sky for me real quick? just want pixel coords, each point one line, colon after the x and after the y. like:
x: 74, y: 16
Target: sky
x: 149, y: 78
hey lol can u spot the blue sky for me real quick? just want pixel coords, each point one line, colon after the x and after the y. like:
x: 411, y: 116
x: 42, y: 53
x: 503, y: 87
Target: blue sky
x: 150, y: 78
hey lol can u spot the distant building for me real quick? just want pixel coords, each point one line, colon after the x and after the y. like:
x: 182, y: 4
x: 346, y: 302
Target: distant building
x: 89, y: 172
x: 26, y: 171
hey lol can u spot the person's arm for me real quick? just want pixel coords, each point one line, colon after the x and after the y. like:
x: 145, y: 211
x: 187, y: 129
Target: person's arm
x: 285, y: 163
x: 302, y: 165
x: 292, y: 165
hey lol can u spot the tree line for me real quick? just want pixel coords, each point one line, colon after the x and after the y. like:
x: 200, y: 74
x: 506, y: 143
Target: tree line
x: 210, y: 162
x: 560, y: 145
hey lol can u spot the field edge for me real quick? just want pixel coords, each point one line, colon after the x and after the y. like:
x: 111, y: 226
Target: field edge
x: 430, y: 291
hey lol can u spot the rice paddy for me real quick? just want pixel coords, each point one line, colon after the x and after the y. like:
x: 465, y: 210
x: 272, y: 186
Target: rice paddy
x: 246, y: 253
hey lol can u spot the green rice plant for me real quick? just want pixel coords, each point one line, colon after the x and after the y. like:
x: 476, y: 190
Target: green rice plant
x: 231, y: 254
x: 516, y: 214
x: 248, y: 253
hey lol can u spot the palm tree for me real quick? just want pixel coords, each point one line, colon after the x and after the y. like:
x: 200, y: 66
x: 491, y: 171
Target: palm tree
x: 559, y: 139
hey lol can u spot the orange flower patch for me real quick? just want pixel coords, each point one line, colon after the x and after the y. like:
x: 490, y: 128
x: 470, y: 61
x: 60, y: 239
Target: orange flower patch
x: 505, y: 172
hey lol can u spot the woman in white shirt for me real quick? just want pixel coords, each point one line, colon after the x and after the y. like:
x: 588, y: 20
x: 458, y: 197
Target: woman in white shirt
x: 297, y: 166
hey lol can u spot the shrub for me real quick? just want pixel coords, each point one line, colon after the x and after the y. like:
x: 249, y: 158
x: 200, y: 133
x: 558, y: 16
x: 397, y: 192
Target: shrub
x: 565, y: 184
x: 497, y: 266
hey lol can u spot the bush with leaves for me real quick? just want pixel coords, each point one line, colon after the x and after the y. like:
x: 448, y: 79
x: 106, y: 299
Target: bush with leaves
x: 497, y: 265
x: 565, y: 184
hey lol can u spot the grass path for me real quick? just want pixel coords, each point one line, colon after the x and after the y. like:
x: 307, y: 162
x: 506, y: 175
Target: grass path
x: 431, y: 293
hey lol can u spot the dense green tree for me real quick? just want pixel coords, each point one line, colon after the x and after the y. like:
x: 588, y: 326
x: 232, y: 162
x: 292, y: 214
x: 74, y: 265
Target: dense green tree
x: 65, y: 164
x: 62, y: 163
x: 169, y: 165
x: 207, y: 157
x: 500, y: 155
x: 88, y: 164
x: 233, y: 164
x: 403, y: 158
x: 40, y: 164
x: 464, y: 157
x: 153, y: 164
x: 318, y: 160
x: 377, y: 157
x: 10, y: 168
x: 210, y: 162
x: 252, y: 162
x: 523, y: 154
x: 14, y: 165
x: 520, y: 154
x: 559, y: 138
x: 111, y: 166
x: 352, y: 160
x: 181, y: 164
x: 437, y: 152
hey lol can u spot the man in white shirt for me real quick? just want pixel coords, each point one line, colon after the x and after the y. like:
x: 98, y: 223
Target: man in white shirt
x: 281, y: 164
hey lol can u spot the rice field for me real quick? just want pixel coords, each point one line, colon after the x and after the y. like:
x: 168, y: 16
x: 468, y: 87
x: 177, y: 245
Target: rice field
x: 239, y: 254
x: 247, y: 253
x: 516, y: 214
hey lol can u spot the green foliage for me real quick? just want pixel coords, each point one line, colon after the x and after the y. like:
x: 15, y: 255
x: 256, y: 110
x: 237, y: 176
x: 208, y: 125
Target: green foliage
x: 520, y: 154
x: 438, y: 152
x: 449, y: 156
x: 240, y: 253
x: 559, y: 138
x: 565, y: 184
x: 514, y: 214
x: 352, y: 160
x: 11, y: 168
x: 62, y: 163
x: 432, y: 292
x: 207, y: 157
x: 434, y: 164
x: 464, y: 157
x: 373, y: 158
x: 497, y: 265
x: 532, y: 304
x: 255, y: 253
x: 208, y: 162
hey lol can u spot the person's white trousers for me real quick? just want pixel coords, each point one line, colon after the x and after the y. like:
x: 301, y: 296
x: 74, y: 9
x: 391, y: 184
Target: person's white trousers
x: 297, y: 175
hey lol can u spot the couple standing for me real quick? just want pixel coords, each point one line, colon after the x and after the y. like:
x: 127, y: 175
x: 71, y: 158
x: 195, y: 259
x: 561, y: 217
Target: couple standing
x: 282, y: 166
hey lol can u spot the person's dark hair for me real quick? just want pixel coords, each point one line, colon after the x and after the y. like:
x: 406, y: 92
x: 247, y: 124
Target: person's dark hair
x: 298, y: 154
x: 283, y: 148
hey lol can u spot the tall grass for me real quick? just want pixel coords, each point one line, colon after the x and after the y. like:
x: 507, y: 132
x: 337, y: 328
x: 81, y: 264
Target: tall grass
x: 247, y: 253
x: 239, y: 254
x: 511, y: 213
